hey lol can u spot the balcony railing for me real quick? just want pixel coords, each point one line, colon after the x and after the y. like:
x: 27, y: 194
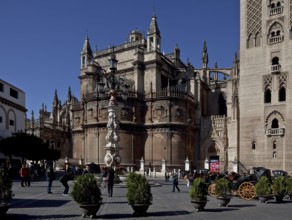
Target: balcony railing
x: 276, y: 39
x: 275, y: 132
x: 277, y: 10
x: 275, y: 68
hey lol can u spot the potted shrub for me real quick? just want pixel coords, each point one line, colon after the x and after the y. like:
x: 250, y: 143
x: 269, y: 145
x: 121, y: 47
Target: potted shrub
x: 288, y: 183
x: 279, y: 188
x: 139, y: 193
x: 198, y: 193
x: 6, y: 193
x: 263, y: 189
x: 86, y: 193
x: 223, y: 191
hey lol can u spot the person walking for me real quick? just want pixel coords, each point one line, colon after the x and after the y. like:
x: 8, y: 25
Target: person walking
x: 175, y: 182
x: 110, y: 181
x: 64, y: 180
x: 23, y: 172
x: 50, y: 177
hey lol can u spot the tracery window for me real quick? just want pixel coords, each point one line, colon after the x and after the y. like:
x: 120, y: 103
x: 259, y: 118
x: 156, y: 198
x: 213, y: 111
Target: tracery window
x: 276, y: 7
x: 282, y: 94
x: 276, y: 34
x: 268, y: 96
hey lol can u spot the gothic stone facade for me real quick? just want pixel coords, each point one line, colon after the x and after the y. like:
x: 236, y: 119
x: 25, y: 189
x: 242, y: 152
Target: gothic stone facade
x: 173, y: 111
x: 169, y: 103
x: 233, y: 118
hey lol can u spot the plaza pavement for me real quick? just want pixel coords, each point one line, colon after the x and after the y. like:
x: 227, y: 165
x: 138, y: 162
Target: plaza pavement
x: 35, y: 203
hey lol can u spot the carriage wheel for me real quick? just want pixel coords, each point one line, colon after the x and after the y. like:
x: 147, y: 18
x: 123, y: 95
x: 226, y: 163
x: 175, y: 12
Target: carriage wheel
x: 211, y: 190
x: 247, y: 191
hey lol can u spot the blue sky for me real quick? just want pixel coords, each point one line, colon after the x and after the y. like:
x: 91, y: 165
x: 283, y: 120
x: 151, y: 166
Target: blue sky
x: 41, y: 41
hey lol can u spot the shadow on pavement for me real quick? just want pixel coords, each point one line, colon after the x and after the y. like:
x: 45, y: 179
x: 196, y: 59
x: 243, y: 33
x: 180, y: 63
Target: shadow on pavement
x: 25, y: 203
x: 227, y: 209
x: 28, y: 217
x: 148, y: 214
x: 242, y: 205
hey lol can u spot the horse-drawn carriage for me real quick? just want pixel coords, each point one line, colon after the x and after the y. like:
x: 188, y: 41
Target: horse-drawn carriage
x: 244, y: 185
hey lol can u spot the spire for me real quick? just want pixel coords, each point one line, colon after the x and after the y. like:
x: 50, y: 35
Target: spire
x: 56, y: 100
x: 205, y: 55
x: 153, y: 35
x: 176, y: 54
x: 69, y: 96
x: 86, y: 53
x: 153, y: 28
x: 86, y: 47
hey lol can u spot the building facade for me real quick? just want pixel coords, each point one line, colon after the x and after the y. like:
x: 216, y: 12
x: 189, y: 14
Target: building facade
x: 173, y: 112
x: 12, y: 110
x: 220, y: 118
x: 265, y: 84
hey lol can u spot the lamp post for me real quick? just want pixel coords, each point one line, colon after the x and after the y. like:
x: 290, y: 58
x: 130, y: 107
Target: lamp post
x: 66, y: 160
x: 113, y: 85
x: 206, y: 166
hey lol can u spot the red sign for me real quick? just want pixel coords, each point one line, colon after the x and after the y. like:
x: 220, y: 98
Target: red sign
x: 215, y: 167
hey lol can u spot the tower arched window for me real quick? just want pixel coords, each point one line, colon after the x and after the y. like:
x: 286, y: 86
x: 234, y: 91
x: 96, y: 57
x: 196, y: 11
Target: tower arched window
x: 274, y: 145
x: 275, y: 123
x: 282, y: 94
x: 253, y: 145
x: 276, y: 67
x: 250, y: 43
x: 274, y: 154
x: 258, y: 39
x: 275, y: 60
x: 275, y: 7
x: 268, y: 96
x: 275, y: 33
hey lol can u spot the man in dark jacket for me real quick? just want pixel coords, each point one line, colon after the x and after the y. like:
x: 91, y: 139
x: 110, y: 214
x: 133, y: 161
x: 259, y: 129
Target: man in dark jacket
x: 50, y: 177
x: 110, y: 181
x: 64, y: 180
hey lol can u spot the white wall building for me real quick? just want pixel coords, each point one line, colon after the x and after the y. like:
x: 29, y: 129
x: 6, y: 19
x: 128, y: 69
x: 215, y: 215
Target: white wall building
x: 12, y: 109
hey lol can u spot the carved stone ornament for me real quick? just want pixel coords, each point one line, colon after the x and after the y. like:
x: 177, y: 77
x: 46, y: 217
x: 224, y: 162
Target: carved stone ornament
x: 108, y: 159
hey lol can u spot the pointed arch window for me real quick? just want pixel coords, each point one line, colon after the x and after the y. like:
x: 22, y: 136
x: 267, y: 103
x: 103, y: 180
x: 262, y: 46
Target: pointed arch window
x: 258, y: 39
x: 276, y: 8
x: 276, y: 67
x: 249, y: 43
x: 275, y: 123
x: 282, y: 94
x: 253, y: 145
x: 276, y: 34
x: 274, y: 154
x: 268, y: 96
x: 274, y: 145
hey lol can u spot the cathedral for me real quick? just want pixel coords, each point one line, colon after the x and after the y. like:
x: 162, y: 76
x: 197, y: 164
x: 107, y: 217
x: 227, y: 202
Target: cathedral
x: 216, y: 118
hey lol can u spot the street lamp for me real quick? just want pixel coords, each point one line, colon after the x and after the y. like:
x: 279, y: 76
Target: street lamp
x: 206, y: 166
x: 66, y: 160
x: 113, y: 85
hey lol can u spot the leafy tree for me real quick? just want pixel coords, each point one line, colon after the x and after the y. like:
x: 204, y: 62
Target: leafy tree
x: 29, y: 147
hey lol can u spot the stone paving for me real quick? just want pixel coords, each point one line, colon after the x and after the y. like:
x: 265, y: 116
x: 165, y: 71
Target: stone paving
x: 34, y: 203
